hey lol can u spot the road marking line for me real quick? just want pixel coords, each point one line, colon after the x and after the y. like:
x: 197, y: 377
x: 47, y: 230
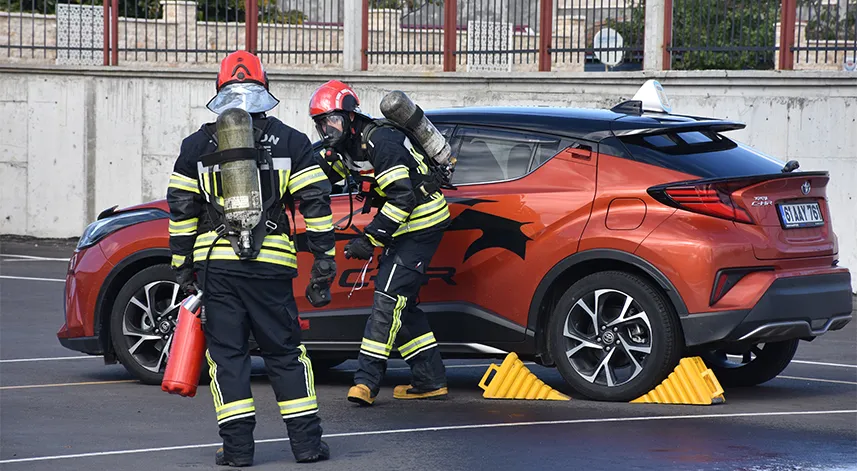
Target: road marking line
x: 836, y: 381
x: 31, y: 279
x: 79, y: 357
x: 33, y: 257
x: 838, y: 365
x: 440, y: 428
x: 57, y: 385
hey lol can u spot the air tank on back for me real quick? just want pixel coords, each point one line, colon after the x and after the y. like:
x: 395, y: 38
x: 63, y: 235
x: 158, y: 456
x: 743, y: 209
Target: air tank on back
x: 242, y: 191
x: 398, y: 108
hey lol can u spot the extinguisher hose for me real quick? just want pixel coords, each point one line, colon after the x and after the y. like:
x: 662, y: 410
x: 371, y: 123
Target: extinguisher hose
x: 205, y: 276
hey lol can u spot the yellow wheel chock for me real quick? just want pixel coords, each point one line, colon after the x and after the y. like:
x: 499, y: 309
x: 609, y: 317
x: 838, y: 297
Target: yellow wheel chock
x: 690, y: 383
x: 513, y: 380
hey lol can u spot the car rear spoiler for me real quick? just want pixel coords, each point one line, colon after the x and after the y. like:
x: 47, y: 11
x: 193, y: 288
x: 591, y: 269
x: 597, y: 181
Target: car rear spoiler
x: 671, y: 127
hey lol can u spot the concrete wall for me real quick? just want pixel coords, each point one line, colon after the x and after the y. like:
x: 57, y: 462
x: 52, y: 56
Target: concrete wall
x: 74, y: 141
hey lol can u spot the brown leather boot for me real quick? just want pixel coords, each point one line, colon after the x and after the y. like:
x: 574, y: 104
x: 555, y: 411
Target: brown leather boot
x: 360, y: 394
x: 407, y: 391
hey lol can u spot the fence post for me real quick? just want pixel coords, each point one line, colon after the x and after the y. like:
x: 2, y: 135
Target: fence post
x: 364, y: 42
x: 788, y: 18
x: 114, y: 31
x: 352, y: 40
x: 450, y: 34
x: 668, y: 34
x: 106, y: 26
x: 251, y: 25
x: 545, y: 34
x: 654, y: 35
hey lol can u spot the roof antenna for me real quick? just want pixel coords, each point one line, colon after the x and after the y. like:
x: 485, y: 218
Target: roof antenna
x: 790, y: 166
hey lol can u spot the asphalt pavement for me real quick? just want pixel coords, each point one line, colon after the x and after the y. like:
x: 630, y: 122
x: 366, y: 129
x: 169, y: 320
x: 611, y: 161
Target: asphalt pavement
x: 61, y: 410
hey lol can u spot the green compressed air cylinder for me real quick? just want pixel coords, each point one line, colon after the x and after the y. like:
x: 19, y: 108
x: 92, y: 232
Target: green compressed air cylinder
x: 242, y: 192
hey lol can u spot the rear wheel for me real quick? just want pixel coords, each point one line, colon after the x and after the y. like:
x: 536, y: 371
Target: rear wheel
x: 614, y: 337
x: 143, y: 321
x: 753, y: 365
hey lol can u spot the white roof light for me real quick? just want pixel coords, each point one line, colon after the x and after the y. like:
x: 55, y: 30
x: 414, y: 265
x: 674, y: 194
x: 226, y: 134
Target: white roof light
x: 653, y: 97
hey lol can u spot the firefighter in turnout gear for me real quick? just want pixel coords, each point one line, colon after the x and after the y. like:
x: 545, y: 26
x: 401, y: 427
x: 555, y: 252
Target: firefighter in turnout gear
x: 408, y: 228
x: 246, y: 273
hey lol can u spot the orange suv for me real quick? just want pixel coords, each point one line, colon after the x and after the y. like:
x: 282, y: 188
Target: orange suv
x: 609, y: 243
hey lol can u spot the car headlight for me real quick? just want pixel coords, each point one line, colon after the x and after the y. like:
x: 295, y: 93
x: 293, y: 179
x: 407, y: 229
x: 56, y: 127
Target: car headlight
x: 112, y: 223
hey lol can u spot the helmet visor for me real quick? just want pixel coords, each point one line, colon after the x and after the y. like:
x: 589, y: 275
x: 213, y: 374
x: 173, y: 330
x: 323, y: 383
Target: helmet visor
x: 250, y: 97
x: 331, y: 127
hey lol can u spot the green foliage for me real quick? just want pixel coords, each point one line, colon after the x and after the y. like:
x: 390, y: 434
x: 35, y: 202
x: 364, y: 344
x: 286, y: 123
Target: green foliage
x: 631, y: 28
x: 824, y: 22
x: 128, y: 8
x: 714, y: 25
x: 728, y: 24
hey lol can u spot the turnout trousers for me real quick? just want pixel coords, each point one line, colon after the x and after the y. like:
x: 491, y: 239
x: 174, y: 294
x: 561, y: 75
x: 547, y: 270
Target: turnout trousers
x: 235, y: 306
x: 396, y: 319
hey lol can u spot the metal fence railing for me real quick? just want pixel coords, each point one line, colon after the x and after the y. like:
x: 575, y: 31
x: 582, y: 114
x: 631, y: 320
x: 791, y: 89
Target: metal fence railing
x: 724, y: 34
x: 467, y: 35
x: 826, y: 33
x: 56, y: 31
x: 601, y: 34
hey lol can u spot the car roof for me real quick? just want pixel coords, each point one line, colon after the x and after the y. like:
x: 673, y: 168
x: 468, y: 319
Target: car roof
x: 578, y: 123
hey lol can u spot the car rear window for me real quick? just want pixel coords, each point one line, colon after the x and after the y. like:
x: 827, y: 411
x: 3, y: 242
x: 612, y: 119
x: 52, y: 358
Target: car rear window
x: 702, y: 153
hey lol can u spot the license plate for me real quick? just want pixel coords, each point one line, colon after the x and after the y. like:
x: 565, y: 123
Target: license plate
x: 801, y: 215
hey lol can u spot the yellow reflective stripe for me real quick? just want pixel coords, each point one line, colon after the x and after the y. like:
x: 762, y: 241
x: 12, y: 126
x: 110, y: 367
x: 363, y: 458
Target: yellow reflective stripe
x: 390, y: 175
x: 284, y: 181
x: 181, y: 182
x: 214, y: 385
x: 375, y: 347
x: 424, y: 223
x: 393, y: 212
x: 416, y: 344
x: 319, y: 224
x: 423, y: 168
x: 234, y: 408
x: 305, y: 177
x: 397, y: 321
x: 374, y: 241
x: 187, y: 226
x: 226, y: 253
x: 298, y: 405
x: 178, y: 260
x: 430, y: 207
x: 339, y: 168
x: 331, y: 252
x: 309, y: 376
x: 280, y: 241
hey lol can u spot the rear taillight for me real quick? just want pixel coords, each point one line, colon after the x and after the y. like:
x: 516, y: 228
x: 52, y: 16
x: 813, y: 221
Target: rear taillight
x: 712, y: 199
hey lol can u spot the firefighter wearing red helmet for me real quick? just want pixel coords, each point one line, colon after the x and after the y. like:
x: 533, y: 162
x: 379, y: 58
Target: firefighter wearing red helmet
x: 251, y: 293
x: 408, y: 227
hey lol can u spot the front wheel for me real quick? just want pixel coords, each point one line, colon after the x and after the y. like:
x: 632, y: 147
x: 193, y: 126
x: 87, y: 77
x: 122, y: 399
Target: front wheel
x: 752, y: 365
x: 143, y: 321
x: 614, y: 337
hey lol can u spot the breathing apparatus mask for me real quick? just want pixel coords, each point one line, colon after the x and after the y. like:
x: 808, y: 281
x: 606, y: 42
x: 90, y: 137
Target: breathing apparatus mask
x: 333, y: 128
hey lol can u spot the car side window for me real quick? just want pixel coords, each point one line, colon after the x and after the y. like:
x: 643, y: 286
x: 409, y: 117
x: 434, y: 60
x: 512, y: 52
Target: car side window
x: 490, y: 155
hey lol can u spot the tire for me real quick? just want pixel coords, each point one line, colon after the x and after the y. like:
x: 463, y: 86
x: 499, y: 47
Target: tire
x: 759, y: 364
x: 641, y: 347
x: 129, y: 323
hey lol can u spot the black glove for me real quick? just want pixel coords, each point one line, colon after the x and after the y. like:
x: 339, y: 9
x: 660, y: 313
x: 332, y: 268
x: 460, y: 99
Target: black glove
x: 359, y: 248
x: 321, y: 276
x: 186, y: 279
x: 323, y: 272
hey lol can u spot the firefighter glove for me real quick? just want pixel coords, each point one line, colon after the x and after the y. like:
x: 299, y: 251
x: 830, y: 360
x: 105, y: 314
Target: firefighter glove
x: 323, y: 272
x: 186, y: 279
x: 359, y: 248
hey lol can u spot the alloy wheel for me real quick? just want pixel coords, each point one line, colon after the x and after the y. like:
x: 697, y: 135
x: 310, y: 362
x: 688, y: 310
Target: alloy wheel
x: 149, y: 322
x: 608, y: 337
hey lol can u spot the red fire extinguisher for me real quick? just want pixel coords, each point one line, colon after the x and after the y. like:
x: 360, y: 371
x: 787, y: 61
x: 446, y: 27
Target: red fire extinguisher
x: 188, y: 347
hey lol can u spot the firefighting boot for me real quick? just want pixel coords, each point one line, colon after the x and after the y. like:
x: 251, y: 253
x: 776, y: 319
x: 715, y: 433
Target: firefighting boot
x: 321, y: 454
x: 406, y: 391
x: 221, y: 460
x: 360, y: 394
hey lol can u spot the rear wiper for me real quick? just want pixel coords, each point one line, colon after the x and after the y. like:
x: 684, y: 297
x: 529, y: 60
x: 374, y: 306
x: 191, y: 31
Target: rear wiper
x: 790, y: 166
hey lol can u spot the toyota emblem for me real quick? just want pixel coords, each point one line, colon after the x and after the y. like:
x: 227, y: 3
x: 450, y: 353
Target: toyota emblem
x: 805, y: 187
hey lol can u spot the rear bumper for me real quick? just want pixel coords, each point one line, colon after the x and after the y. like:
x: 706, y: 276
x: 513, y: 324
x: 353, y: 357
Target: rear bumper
x: 793, y: 307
